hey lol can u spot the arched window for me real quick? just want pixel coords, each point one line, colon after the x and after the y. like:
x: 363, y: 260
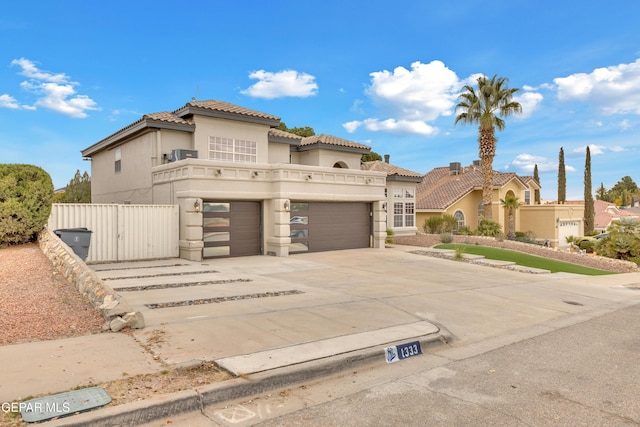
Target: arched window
x: 341, y: 165
x: 459, y: 216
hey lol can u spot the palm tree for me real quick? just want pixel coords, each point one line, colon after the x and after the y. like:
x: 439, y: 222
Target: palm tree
x: 511, y: 203
x: 480, y: 106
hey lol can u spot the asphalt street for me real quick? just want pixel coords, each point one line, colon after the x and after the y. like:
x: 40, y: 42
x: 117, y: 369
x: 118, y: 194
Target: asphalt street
x: 583, y: 374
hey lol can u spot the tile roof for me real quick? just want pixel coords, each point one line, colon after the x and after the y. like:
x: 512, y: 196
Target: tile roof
x: 165, y: 116
x: 284, y: 134
x: 606, y: 212
x: 226, y: 107
x: 439, y: 188
x: 380, y: 166
x: 332, y: 140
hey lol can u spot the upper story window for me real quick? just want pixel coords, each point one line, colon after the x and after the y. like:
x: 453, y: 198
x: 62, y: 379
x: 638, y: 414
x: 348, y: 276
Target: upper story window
x: 527, y: 197
x: 117, y: 160
x: 232, y: 150
x: 404, y: 193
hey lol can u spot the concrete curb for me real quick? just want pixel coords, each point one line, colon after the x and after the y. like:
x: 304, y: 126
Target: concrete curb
x: 171, y: 405
x: 104, y: 299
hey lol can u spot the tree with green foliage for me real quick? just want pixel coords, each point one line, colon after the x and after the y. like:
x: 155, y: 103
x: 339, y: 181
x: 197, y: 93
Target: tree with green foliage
x: 300, y: 131
x: 486, y: 107
x: 78, y: 190
x: 26, y: 193
x: 623, y: 241
x: 601, y: 193
x: 371, y: 156
x: 589, y: 212
x: 562, y: 178
x: 536, y: 178
x: 511, y: 203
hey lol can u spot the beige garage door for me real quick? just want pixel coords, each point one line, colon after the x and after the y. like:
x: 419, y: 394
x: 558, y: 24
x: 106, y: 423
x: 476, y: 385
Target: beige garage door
x: 320, y: 226
x: 231, y: 229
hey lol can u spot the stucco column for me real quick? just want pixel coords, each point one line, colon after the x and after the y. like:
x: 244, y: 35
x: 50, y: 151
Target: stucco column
x: 278, y: 245
x: 191, y: 235
x: 379, y: 223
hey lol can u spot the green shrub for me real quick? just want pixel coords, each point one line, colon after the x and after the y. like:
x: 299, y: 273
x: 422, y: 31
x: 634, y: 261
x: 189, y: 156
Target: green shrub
x: 464, y: 230
x: 525, y: 237
x: 446, y: 237
x: 489, y: 228
x: 26, y: 194
x: 389, y: 238
x: 587, y: 246
x: 440, y: 224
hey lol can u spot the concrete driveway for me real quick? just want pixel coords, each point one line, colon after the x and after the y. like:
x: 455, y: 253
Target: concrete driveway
x: 232, y: 308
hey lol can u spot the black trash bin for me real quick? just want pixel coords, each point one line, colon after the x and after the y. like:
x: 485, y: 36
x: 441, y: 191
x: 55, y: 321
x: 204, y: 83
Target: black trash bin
x: 77, y: 239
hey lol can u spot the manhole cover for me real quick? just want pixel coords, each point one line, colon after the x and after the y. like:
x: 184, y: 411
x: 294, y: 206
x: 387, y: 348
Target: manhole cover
x: 59, y: 405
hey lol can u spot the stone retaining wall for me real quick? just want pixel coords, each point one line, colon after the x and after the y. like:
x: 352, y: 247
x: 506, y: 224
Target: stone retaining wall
x: 104, y: 299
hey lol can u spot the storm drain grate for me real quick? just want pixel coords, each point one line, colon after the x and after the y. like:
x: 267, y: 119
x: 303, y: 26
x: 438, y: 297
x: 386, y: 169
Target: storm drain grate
x: 221, y: 299
x: 180, y: 285
x: 184, y: 273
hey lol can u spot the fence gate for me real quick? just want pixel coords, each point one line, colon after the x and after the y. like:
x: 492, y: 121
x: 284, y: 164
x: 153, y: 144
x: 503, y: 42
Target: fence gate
x: 122, y: 232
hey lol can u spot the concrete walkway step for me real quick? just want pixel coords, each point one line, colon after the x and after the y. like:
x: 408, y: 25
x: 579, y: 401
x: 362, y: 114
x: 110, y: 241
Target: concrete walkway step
x: 296, y: 354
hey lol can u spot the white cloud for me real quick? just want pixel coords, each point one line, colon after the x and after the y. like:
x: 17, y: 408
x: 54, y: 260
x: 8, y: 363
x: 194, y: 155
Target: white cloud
x: 281, y: 84
x: 529, y: 101
x: 400, y: 126
x: 351, y: 127
x: 30, y: 70
x: 614, y: 89
x: 625, y: 124
x: 55, y: 92
x: 526, y: 162
x: 8, y: 101
x: 425, y: 92
x: 594, y: 149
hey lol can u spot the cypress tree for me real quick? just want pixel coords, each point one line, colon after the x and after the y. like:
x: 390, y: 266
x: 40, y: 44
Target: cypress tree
x: 536, y: 178
x: 589, y: 213
x: 562, y: 179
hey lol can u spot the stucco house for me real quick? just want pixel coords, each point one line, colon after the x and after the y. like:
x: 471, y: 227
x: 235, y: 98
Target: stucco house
x: 244, y: 187
x: 606, y: 213
x: 457, y: 191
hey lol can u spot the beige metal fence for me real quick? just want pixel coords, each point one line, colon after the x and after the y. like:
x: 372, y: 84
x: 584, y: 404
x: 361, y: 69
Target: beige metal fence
x: 122, y: 232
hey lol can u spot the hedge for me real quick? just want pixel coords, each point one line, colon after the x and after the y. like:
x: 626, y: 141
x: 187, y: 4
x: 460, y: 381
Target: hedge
x: 26, y: 194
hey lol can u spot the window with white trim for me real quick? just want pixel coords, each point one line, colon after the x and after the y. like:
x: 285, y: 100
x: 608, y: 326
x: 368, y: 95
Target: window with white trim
x: 459, y: 216
x: 527, y: 197
x: 404, y: 214
x: 409, y: 211
x: 232, y: 150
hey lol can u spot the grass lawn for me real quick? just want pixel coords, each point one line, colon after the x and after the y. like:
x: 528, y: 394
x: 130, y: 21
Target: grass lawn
x: 525, y: 259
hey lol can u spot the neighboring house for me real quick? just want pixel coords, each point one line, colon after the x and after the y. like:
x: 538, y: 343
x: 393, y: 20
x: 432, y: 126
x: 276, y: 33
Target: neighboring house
x: 242, y: 186
x: 606, y: 213
x: 400, y: 196
x: 457, y: 191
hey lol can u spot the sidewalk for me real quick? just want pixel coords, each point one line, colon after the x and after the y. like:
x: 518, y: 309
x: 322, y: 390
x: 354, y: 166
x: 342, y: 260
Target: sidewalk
x: 274, y: 321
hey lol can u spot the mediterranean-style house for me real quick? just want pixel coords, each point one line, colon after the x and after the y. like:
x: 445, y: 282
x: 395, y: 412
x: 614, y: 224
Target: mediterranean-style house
x: 244, y: 187
x: 456, y: 190
x: 606, y: 213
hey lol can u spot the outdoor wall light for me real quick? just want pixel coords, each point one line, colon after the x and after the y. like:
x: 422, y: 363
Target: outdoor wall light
x: 196, y: 205
x: 384, y: 206
x: 287, y: 206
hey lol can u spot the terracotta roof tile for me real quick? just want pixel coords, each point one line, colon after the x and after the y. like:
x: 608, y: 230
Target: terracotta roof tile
x: 228, y: 108
x: 380, y: 166
x: 332, y: 140
x: 283, y: 134
x: 166, y: 116
x: 606, y: 212
x: 439, y: 188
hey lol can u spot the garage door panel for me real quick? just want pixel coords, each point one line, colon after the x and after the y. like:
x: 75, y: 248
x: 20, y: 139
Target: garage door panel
x: 232, y: 229
x: 331, y: 226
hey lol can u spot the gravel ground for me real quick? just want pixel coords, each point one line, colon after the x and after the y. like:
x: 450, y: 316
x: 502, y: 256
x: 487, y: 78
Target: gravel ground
x: 587, y: 260
x: 37, y: 303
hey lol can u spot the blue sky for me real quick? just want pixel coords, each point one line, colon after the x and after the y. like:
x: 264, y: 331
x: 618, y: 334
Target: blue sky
x: 381, y: 73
